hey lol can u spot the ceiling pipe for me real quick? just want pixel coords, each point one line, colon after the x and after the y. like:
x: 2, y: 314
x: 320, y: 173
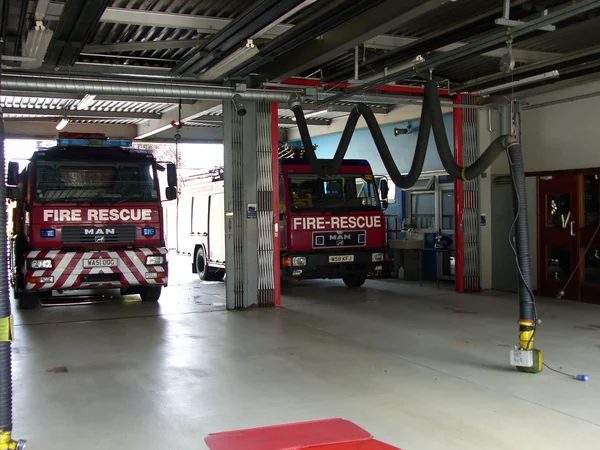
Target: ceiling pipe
x: 346, y: 85
x: 478, y: 47
x: 139, y: 89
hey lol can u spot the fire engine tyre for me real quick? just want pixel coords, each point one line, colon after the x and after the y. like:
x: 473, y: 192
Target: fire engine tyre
x: 150, y: 294
x: 217, y: 276
x: 28, y: 300
x: 204, y: 271
x: 355, y: 280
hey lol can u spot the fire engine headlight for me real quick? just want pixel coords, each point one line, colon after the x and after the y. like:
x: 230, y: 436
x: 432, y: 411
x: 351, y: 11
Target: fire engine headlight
x: 299, y: 261
x: 377, y: 257
x: 40, y: 264
x: 155, y: 260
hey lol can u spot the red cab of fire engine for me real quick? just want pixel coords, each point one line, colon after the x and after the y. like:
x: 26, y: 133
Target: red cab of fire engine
x: 87, y: 214
x: 331, y: 227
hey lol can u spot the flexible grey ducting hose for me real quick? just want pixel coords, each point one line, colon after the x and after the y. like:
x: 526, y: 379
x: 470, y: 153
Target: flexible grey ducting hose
x: 5, y: 350
x: 431, y: 118
x: 431, y: 101
x: 403, y: 182
x: 526, y: 299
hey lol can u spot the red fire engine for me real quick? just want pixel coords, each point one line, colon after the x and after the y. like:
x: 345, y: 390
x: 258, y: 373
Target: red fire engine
x: 329, y: 228
x: 87, y: 214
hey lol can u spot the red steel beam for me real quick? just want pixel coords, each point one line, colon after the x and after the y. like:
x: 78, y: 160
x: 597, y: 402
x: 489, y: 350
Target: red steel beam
x: 386, y: 88
x: 275, y: 168
x: 459, y: 235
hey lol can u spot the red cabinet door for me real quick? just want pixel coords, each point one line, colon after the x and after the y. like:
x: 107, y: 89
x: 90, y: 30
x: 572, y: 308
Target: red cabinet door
x: 558, y: 228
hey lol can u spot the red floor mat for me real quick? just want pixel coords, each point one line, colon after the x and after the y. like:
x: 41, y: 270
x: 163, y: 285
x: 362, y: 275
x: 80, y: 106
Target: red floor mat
x: 331, y: 434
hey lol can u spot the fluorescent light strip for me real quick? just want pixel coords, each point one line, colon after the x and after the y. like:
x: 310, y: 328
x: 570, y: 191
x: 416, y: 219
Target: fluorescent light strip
x: 85, y: 102
x: 237, y: 58
x: 544, y: 76
x: 63, y: 123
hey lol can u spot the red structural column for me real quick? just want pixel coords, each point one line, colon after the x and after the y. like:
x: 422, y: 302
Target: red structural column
x: 459, y: 235
x: 275, y: 160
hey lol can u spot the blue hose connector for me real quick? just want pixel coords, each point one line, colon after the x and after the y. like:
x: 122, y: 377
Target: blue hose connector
x: 582, y: 377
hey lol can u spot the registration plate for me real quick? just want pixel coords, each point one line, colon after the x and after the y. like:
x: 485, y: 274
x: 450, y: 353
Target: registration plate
x: 341, y: 258
x: 100, y: 262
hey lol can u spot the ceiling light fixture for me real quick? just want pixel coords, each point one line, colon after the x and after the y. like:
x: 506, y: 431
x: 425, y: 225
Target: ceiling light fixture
x: 530, y: 80
x: 63, y: 123
x: 227, y: 64
x: 36, y: 45
x: 85, y: 102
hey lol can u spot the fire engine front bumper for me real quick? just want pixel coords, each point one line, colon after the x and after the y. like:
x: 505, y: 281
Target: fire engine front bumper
x: 331, y: 264
x: 95, y: 269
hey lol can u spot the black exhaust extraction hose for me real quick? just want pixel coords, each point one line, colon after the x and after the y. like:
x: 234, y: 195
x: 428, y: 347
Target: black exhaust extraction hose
x: 517, y: 169
x: 403, y: 182
x: 431, y: 118
x: 431, y: 101
x: 5, y: 313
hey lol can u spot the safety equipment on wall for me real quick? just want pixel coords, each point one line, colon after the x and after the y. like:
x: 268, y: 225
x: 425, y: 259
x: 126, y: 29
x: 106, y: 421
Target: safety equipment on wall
x: 432, y: 118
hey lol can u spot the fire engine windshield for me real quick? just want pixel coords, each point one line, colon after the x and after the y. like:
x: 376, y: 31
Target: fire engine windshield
x: 341, y: 192
x: 95, y: 182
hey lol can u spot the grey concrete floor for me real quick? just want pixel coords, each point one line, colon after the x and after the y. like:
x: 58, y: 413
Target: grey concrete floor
x: 420, y: 368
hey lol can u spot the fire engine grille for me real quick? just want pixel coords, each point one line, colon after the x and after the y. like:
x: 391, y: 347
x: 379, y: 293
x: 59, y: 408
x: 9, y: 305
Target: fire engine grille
x: 124, y: 234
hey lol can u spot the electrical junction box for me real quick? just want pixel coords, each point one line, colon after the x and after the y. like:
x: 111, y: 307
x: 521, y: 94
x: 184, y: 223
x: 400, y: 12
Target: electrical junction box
x: 521, y: 358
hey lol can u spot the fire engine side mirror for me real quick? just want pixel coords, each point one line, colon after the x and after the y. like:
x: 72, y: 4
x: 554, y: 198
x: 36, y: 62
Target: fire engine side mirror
x: 171, y: 175
x: 384, y: 204
x: 12, y: 176
x: 384, y: 189
x: 171, y: 193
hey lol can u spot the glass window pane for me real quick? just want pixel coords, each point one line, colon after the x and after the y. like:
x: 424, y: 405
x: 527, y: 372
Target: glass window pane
x: 559, y: 263
x: 558, y: 210
x: 68, y: 181
x: 448, y: 210
x: 591, y: 189
x: 592, y: 266
x: 422, y: 210
x: 342, y: 192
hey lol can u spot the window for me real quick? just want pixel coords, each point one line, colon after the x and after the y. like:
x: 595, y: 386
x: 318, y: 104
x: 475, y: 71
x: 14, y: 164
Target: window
x: 344, y: 191
x: 447, y: 203
x: 431, y: 204
x: 422, y: 210
x: 68, y: 181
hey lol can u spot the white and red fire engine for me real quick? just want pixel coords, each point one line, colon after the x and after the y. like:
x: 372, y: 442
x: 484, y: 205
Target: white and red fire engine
x: 329, y: 228
x: 87, y: 214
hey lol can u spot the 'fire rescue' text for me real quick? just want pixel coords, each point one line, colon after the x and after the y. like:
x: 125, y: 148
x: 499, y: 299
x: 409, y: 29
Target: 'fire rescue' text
x: 103, y: 215
x: 333, y: 223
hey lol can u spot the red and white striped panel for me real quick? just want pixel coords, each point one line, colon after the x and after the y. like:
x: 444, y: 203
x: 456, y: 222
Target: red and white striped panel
x: 68, y: 269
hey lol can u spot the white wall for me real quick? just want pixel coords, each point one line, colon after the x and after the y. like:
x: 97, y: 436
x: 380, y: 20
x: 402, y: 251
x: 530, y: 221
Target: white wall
x: 398, y: 114
x: 565, y: 135
x: 561, y: 136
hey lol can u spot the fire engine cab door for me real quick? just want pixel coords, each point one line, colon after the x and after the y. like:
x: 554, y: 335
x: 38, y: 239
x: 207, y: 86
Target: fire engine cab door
x: 216, y: 233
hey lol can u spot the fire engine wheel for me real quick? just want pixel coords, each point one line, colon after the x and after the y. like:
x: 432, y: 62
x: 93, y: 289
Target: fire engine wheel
x: 204, y: 271
x: 355, y: 280
x: 150, y: 294
x: 28, y: 300
x: 218, y: 275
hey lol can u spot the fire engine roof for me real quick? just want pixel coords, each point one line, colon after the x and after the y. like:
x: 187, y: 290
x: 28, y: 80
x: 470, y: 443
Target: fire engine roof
x: 108, y: 153
x: 304, y: 162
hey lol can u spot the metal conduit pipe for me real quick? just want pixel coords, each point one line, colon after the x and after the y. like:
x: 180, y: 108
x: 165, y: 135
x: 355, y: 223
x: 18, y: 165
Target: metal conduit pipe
x: 432, y: 118
x: 68, y: 86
